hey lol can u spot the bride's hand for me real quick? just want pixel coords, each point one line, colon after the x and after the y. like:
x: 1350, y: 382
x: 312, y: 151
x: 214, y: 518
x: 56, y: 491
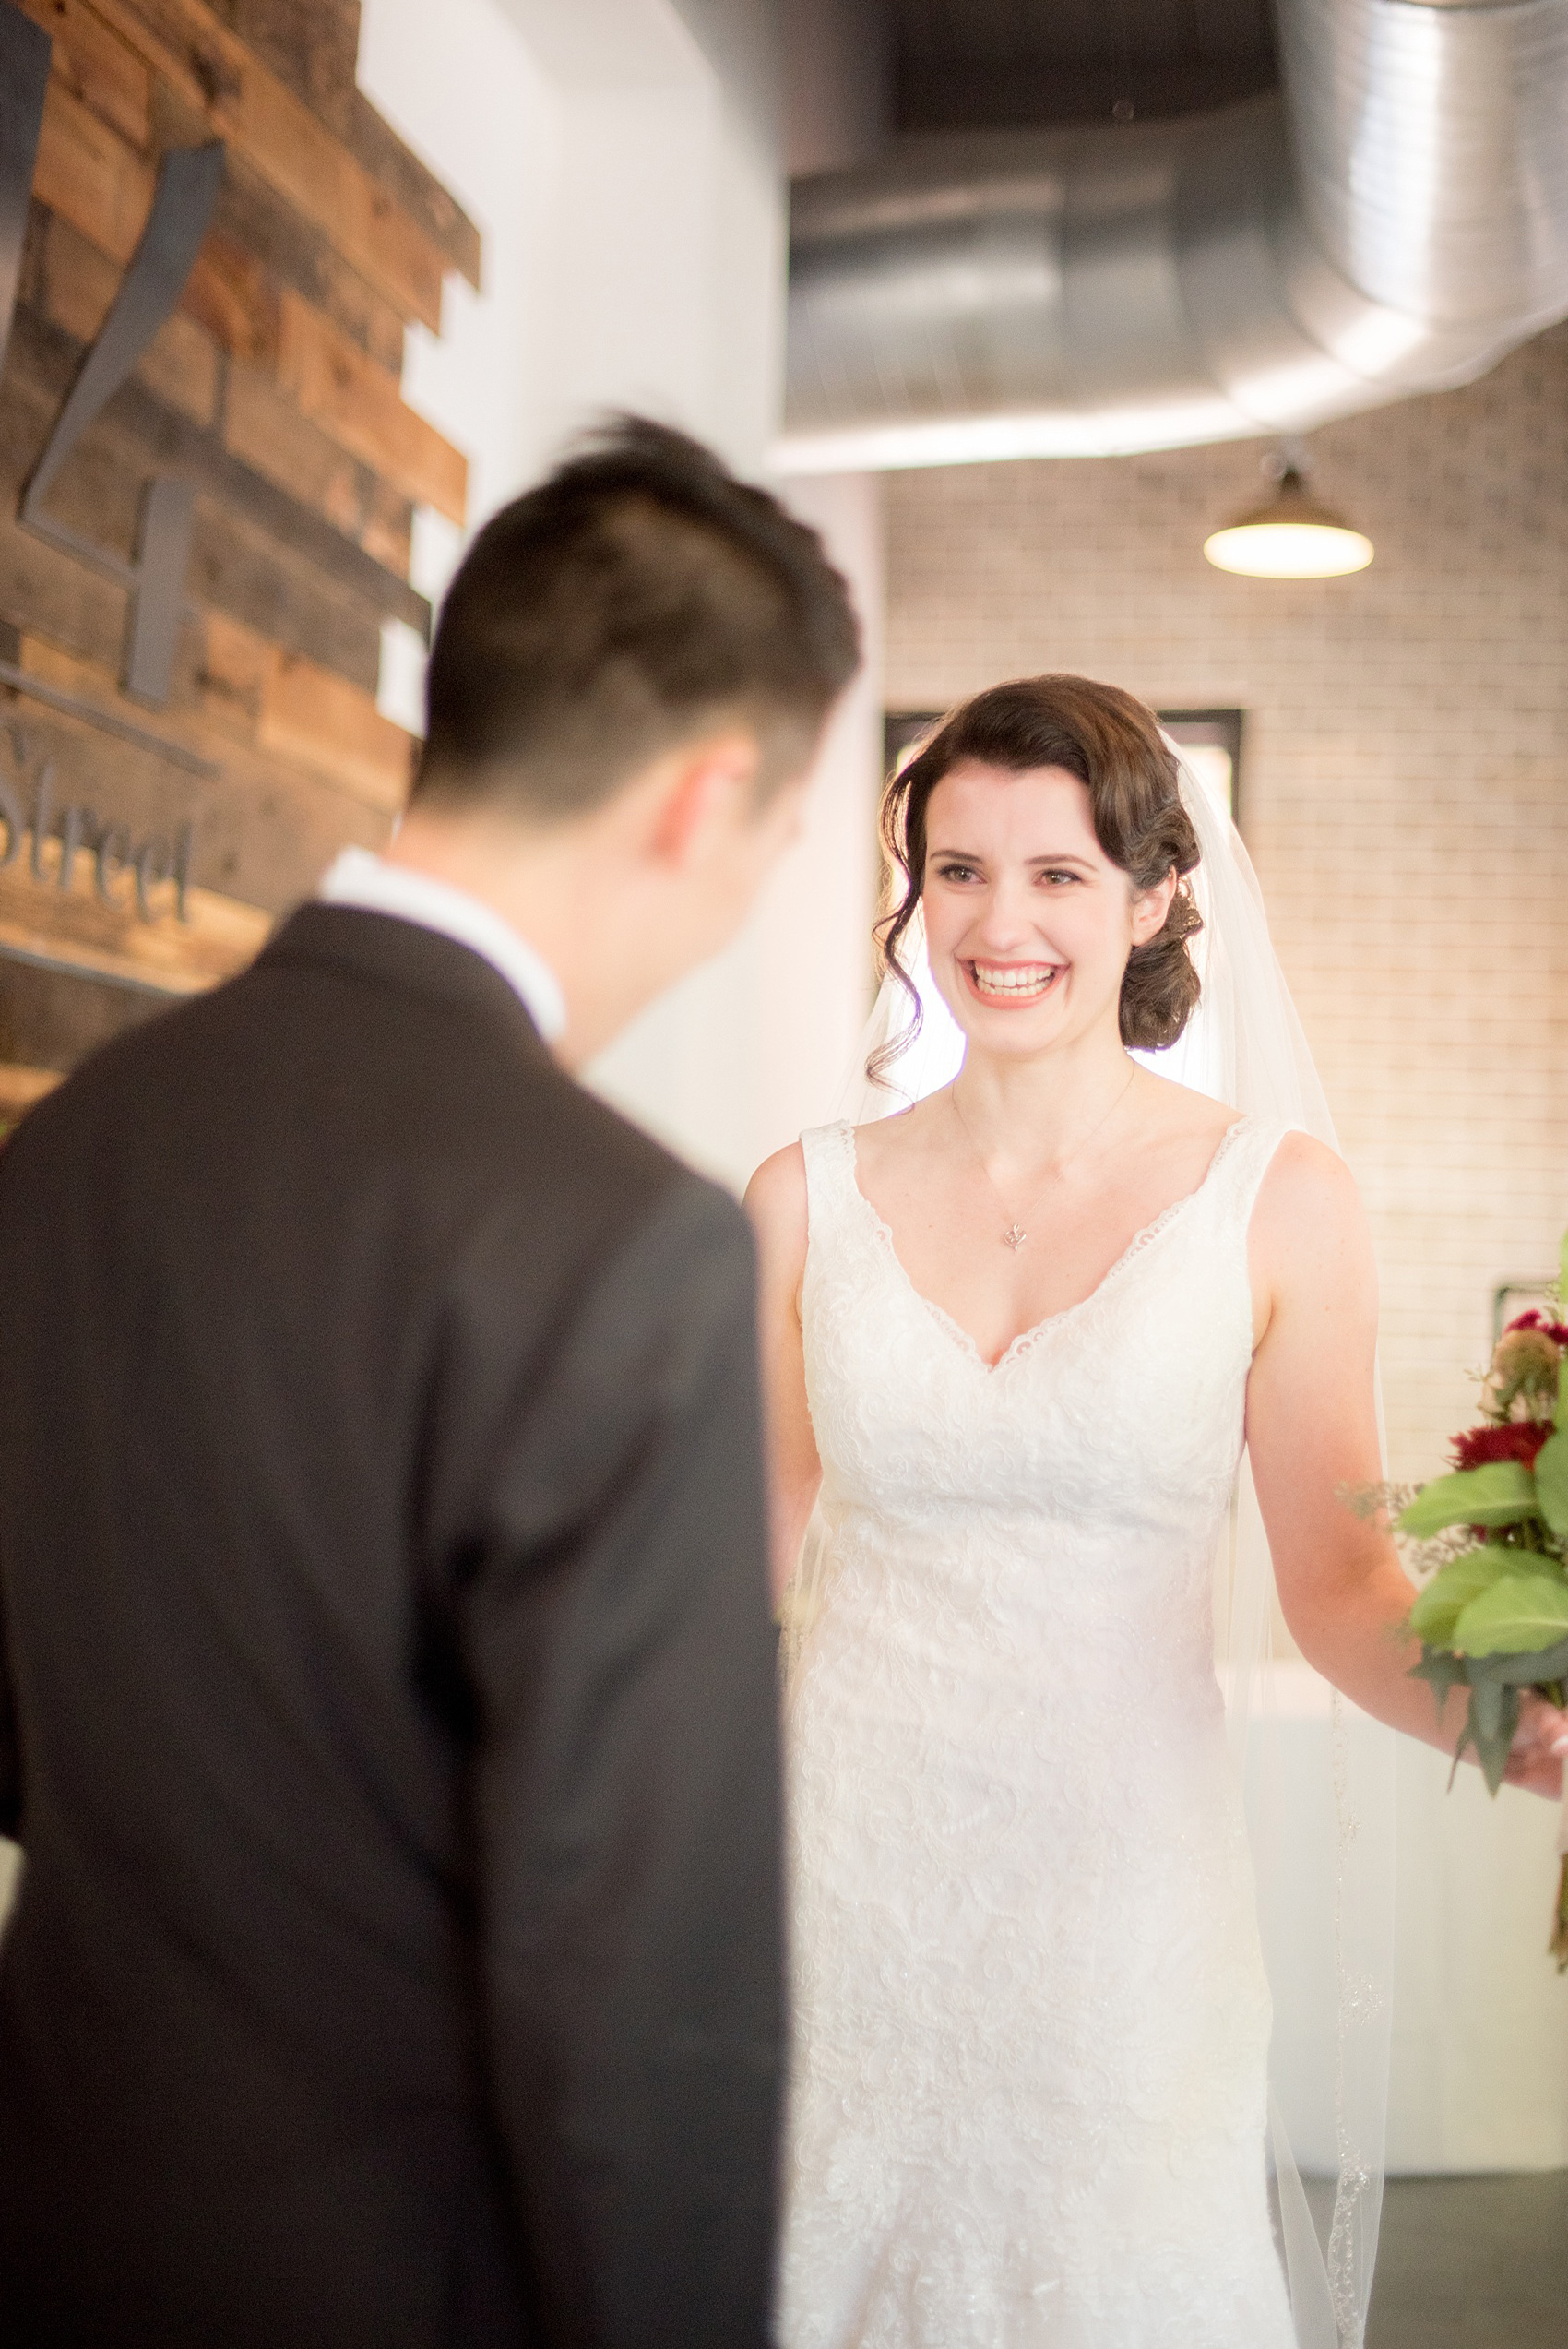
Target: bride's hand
x: 1539, y: 1744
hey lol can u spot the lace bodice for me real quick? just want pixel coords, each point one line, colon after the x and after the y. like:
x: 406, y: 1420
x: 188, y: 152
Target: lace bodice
x: 1031, y: 2019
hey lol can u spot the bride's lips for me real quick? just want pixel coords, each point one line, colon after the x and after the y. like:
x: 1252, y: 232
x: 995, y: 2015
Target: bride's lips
x: 1011, y: 983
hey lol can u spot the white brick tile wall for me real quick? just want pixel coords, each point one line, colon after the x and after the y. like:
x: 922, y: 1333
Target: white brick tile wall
x: 1405, y: 792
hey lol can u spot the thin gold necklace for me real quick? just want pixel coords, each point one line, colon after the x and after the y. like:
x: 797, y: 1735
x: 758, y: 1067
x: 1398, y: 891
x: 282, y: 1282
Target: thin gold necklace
x: 1015, y: 1236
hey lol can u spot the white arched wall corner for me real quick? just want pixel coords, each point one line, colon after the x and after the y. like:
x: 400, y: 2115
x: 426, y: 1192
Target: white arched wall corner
x: 624, y: 161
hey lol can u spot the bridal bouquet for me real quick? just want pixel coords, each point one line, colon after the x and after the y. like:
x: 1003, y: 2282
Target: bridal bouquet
x: 1493, y: 1538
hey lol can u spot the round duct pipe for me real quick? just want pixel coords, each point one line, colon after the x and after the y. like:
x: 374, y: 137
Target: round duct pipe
x: 1395, y: 221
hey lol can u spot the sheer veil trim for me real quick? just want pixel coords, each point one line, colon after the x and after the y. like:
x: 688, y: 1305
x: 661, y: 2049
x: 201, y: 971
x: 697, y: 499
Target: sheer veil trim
x: 1244, y: 1046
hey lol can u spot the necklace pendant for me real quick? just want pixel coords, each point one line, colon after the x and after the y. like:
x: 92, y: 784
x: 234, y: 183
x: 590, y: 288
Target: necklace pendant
x: 1013, y: 1238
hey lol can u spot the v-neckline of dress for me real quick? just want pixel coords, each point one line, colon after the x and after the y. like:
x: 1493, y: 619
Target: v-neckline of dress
x: 956, y: 1331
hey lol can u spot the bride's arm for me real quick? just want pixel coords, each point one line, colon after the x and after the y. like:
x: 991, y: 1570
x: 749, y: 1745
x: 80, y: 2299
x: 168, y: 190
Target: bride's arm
x: 776, y: 1201
x: 1312, y: 1432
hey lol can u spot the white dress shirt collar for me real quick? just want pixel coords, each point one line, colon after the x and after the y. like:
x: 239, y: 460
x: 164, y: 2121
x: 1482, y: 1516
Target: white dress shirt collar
x: 357, y: 877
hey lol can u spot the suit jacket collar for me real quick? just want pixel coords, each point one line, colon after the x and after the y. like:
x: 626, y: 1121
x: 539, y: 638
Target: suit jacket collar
x: 390, y: 952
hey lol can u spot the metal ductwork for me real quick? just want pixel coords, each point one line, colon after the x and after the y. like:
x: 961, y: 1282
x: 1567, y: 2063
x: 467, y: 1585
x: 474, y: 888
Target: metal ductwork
x: 1392, y: 221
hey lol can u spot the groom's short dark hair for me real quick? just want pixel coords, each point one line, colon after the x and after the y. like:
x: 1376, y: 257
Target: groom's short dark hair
x: 639, y: 594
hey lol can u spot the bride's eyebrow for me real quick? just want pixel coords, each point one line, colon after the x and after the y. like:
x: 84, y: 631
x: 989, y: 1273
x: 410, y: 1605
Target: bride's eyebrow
x: 973, y: 856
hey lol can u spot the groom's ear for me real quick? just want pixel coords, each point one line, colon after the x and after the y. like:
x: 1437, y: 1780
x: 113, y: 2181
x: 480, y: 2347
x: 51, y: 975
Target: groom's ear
x: 700, y: 789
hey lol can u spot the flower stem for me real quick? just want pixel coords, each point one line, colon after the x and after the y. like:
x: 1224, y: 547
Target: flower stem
x: 1559, y: 1945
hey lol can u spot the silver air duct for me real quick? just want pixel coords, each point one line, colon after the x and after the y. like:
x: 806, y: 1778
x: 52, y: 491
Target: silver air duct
x: 1394, y: 221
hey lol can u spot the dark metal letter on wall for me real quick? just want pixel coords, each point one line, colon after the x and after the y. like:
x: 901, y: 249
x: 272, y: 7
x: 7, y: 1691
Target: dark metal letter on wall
x: 189, y: 181
x: 24, y: 76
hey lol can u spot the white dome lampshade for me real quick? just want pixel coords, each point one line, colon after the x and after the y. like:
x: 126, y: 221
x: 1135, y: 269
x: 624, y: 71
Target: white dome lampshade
x: 1290, y: 538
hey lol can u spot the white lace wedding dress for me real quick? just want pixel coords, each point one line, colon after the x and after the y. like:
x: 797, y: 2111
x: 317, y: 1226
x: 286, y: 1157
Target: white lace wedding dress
x: 1028, y: 2097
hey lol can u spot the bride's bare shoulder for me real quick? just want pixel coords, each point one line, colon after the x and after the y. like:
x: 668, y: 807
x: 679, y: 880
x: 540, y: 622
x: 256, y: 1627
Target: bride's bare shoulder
x: 776, y: 1195
x: 1310, y: 1235
x: 1304, y: 1177
x: 775, y: 1202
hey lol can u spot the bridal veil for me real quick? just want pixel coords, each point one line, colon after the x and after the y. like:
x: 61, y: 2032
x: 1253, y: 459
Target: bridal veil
x: 1319, y: 1775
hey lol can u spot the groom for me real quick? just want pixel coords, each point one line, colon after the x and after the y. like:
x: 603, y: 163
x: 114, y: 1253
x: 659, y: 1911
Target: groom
x: 386, y: 1700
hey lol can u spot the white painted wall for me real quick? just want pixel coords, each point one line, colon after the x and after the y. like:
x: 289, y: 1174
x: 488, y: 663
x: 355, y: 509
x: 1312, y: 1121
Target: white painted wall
x: 623, y: 160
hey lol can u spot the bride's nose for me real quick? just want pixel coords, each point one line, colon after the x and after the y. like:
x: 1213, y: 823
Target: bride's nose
x: 1007, y: 922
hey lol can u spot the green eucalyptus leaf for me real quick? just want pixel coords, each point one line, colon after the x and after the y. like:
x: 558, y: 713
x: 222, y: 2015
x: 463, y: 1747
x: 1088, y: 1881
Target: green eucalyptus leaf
x: 1517, y: 1614
x: 1494, y: 1716
x: 1452, y: 1588
x: 1441, y: 1670
x: 1536, y: 1668
x: 1551, y: 1472
x: 1501, y: 1493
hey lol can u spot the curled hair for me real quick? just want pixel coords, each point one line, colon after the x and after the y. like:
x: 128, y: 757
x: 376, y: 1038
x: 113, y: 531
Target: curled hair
x: 1112, y: 744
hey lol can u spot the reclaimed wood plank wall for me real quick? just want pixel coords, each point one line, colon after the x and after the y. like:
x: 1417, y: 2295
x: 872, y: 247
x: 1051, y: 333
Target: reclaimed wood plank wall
x: 273, y: 389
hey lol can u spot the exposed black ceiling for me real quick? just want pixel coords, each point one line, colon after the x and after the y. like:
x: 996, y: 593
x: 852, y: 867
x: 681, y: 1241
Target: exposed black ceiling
x: 974, y: 65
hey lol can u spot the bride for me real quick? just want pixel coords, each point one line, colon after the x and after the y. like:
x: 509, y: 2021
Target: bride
x: 1015, y: 1339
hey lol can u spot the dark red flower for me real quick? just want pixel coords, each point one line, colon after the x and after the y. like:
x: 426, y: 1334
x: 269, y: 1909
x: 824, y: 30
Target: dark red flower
x: 1537, y: 1320
x: 1519, y: 1439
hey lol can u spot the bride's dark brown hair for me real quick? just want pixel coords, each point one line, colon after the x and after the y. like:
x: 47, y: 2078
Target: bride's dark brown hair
x: 1112, y: 742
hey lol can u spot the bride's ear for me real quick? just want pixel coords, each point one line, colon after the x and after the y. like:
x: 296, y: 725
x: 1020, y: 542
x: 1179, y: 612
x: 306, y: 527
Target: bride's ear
x: 1151, y: 906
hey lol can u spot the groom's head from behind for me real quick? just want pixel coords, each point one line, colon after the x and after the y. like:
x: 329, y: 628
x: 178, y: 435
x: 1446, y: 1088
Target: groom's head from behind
x: 629, y: 680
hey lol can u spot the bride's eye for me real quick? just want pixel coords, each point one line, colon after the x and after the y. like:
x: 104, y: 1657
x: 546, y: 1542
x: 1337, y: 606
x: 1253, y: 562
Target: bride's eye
x: 1056, y: 876
x: 955, y: 872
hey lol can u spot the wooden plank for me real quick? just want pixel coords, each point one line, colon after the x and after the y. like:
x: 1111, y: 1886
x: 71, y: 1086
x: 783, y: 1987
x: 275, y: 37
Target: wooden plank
x: 180, y: 364
x: 47, y: 592
x: 418, y: 191
x: 182, y: 367
x: 363, y: 409
x: 281, y: 246
x: 233, y: 297
x: 182, y: 41
x: 236, y: 665
x: 300, y: 255
x: 71, y: 928
x: 246, y: 572
x: 306, y: 164
x: 266, y: 432
x: 87, y: 173
x: 310, y: 717
x: 19, y: 1088
x: 312, y: 46
x: 95, y: 65
x: 388, y: 530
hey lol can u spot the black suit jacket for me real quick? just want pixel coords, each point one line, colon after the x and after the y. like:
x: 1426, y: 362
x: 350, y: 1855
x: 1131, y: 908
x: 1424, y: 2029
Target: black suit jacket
x: 387, y: 1705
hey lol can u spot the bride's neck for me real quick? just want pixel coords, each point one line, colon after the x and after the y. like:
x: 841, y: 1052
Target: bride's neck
x: 1040, y: 1112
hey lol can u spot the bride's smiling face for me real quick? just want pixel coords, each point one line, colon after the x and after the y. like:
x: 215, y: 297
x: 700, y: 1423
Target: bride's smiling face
x: 1028, y: 922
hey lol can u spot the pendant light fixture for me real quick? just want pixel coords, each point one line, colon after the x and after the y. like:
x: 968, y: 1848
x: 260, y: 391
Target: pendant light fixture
x: 1292, y: 537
